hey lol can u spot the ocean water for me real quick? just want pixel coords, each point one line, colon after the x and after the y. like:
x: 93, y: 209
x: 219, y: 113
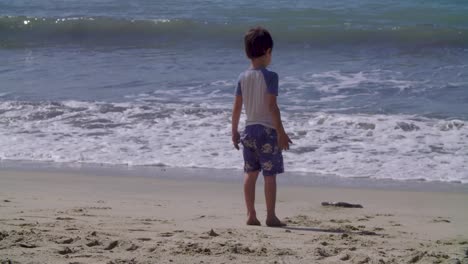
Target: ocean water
x: 367, y: 89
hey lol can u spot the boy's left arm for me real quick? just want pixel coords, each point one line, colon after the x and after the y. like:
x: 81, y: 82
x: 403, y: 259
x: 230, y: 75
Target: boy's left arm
x: 236, y: 112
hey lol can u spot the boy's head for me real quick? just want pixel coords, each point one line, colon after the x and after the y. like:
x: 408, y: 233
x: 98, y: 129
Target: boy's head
x: 258, y: 42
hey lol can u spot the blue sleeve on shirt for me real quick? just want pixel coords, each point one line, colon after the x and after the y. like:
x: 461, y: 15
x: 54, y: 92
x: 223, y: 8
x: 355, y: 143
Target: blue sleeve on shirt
x: 271, y: 80
x: 238, y: 88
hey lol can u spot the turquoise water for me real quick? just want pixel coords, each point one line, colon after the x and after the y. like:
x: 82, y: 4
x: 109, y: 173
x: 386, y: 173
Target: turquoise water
x: 154, y: 24
x: 373, y: 89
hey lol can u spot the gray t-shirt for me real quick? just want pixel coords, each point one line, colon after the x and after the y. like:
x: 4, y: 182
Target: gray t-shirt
x: 254, y: 85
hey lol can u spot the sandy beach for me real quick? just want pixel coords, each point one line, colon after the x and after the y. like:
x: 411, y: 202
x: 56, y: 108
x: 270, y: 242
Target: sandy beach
x: 59, y: 217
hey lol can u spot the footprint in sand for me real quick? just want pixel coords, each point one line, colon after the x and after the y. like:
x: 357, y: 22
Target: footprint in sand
x: 191, y: 248
x: 280, y: 252
x: 65, y: 251
x: 393, y: 223
x: 78, y: 210
x: 99, y: 208
x: 416, y: 257
x: 345, y: 257
x: 93, y: 243
x: 137, y: 230
x: 361, y: 260
x: 440, y: 220
x: 65, y: 241
x: 167, y: 234
x: 28, y: 224
x: 340, y: 221
x: 325, y: 253
x: 302, y: 220
x: 65, y: 218
x: 3, y: 235
x: 152, y: 249
x: 150, y: 221
x: 27, y: 245
x: 133, y: 247
x: 122, y: 261
x: 112, y: 245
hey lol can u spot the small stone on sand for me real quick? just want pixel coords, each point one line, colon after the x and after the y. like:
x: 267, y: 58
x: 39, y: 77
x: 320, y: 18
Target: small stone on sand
x: 213, y: 233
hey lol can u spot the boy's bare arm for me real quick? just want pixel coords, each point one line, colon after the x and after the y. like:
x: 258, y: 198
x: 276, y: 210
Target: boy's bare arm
x: 283, y: 138
x: 236, y: 112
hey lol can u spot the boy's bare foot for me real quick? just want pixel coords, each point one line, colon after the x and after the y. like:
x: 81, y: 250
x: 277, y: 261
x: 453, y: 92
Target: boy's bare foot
x: 253, y: 221
x: 274, y: 222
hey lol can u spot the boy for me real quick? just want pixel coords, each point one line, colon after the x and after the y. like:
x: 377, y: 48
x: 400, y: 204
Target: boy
x: 264, y: 137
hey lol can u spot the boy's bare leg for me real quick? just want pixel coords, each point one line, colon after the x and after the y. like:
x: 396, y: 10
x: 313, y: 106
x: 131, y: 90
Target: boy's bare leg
x: 270, y: 198
x: 250, y: 180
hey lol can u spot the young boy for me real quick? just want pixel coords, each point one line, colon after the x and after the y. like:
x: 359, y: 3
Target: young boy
x: 264, y: 137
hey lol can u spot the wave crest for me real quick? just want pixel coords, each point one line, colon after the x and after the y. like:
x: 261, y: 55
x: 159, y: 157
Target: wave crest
x: 20, y: 31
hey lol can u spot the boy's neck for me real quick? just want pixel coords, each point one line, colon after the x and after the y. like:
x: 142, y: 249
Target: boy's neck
x: 258, y: 63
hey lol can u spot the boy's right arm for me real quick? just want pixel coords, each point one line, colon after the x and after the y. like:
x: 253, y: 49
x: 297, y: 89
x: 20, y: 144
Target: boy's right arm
x: 236, y: 112
x: 283, y: 138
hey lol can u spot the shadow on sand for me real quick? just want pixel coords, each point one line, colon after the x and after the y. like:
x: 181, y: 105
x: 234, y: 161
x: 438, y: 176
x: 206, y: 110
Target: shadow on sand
x: 336, y: 231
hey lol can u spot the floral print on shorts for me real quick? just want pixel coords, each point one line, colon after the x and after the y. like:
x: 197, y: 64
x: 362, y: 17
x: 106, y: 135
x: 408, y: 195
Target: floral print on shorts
x: 261, y: 150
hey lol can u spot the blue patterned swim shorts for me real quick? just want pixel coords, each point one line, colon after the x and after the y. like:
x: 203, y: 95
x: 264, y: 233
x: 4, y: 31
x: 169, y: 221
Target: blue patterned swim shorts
x: 261, y: 150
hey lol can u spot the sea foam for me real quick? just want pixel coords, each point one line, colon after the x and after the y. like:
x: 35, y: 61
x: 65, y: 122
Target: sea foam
x: 198, y: 135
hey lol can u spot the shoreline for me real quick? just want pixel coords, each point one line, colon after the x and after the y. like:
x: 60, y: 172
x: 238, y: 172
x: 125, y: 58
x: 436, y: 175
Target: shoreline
x: 233, y: 175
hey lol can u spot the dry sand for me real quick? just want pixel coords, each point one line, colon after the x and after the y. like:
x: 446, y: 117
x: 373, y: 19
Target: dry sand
x: 81, y: 218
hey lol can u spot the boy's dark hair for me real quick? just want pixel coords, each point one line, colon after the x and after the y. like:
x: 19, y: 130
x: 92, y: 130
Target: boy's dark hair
x: 257, y: 41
